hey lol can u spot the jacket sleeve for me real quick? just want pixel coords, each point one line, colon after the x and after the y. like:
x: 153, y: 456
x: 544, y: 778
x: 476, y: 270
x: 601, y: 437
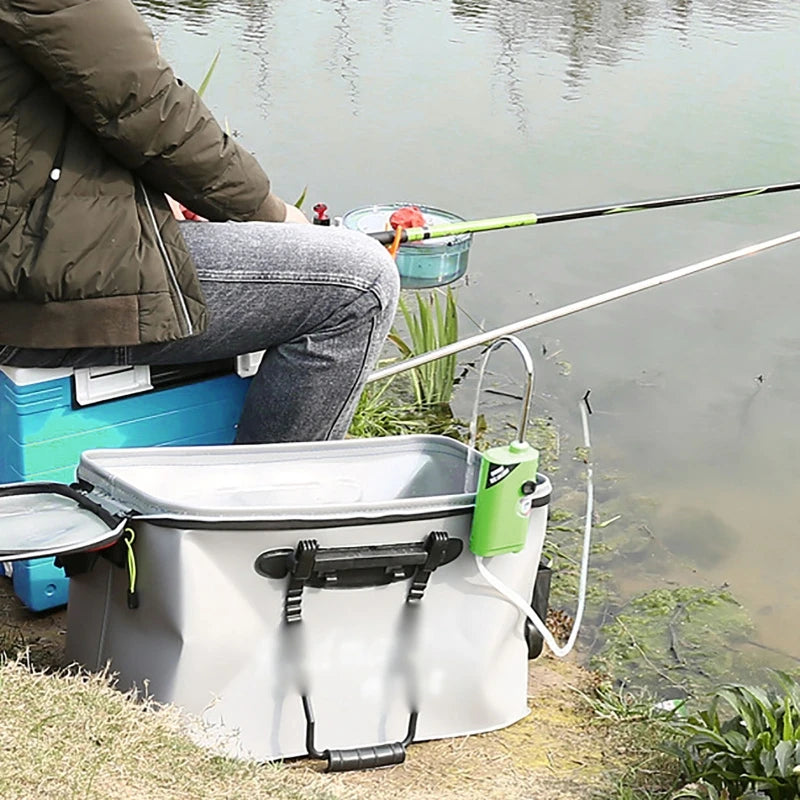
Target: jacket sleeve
x: 101, y: 58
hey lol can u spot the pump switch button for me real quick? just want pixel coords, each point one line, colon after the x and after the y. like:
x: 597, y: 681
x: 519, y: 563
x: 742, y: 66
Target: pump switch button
x: 529, y: 487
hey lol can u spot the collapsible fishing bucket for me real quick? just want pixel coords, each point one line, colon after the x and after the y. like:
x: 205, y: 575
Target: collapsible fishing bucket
x: 302, y: 599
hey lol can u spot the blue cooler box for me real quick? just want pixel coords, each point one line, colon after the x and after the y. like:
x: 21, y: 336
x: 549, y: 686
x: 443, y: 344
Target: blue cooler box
x: 48, y: 417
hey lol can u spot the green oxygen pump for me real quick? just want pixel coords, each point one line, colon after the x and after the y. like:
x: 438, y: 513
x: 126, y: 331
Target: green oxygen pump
x: 506, y: 478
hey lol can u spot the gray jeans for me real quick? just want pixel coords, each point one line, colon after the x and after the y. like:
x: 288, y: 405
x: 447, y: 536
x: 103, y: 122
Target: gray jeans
x: 319, y: 300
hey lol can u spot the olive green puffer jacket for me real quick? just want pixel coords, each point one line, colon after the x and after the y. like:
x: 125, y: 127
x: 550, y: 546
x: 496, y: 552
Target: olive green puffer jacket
x: 94, y: 129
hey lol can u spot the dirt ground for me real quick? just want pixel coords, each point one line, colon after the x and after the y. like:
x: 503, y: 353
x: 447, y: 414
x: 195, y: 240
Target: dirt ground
x: 553, y: 754
x: 558, y: 752
x: 43, y: 635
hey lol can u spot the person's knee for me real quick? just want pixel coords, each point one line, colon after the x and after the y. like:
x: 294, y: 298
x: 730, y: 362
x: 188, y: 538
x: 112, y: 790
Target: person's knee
x: 364, y: 263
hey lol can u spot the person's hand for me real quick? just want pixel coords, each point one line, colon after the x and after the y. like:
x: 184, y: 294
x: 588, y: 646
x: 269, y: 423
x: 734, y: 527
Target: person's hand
x: 294, y: 214
x: 190, y: 215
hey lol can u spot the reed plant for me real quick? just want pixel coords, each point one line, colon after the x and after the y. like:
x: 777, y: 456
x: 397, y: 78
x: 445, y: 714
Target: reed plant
x: 209, y: 72
x: 432, y: 324
x: 386, y: 409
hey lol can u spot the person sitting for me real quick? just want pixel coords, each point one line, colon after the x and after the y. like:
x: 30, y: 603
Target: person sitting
x: 95, y: 132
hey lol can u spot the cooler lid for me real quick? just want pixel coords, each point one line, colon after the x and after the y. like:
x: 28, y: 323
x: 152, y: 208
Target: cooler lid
x: 50, y: 519
x: 365, y: 478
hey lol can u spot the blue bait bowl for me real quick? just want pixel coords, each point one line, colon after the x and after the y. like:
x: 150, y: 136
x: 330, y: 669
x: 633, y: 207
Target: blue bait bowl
x: 422, y: 265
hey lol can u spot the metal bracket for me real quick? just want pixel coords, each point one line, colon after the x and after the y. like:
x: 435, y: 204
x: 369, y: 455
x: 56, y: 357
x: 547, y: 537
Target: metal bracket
x: 526, y: 399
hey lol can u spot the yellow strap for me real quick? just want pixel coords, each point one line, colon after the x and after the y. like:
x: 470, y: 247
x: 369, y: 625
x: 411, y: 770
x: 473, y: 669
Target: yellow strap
x: 131, y: 535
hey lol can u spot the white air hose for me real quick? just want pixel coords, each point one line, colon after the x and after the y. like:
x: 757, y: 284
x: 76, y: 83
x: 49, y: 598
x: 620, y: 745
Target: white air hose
x: 515, y: 599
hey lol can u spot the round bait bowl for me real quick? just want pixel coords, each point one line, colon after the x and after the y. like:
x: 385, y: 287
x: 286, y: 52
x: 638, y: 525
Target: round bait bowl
x: 422, y: 265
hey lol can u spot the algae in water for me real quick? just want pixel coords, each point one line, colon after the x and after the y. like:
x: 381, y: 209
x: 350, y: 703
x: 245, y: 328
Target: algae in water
x: 686, y: 638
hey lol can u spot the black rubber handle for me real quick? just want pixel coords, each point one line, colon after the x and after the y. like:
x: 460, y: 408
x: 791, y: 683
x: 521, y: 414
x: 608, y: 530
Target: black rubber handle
x: 376, y: 755
x: 381, y: 755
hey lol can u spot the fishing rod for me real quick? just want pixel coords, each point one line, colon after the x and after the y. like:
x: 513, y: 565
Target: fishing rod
x: 581, y: 305
x: 521, y: 220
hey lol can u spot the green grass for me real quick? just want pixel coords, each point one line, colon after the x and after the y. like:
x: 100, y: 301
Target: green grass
x: 624, y: 704
x: 72, y: 736
x: 380, y: 414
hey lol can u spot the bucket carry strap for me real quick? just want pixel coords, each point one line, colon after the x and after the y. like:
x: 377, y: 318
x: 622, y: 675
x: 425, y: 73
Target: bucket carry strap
x: 353, y: 567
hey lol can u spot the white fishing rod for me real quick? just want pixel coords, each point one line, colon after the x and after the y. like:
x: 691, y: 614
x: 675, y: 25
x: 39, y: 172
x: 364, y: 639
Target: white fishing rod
x: 581, y: 305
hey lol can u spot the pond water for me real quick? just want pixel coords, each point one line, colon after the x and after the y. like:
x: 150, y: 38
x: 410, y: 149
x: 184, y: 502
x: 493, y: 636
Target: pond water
x: 494, y: 107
